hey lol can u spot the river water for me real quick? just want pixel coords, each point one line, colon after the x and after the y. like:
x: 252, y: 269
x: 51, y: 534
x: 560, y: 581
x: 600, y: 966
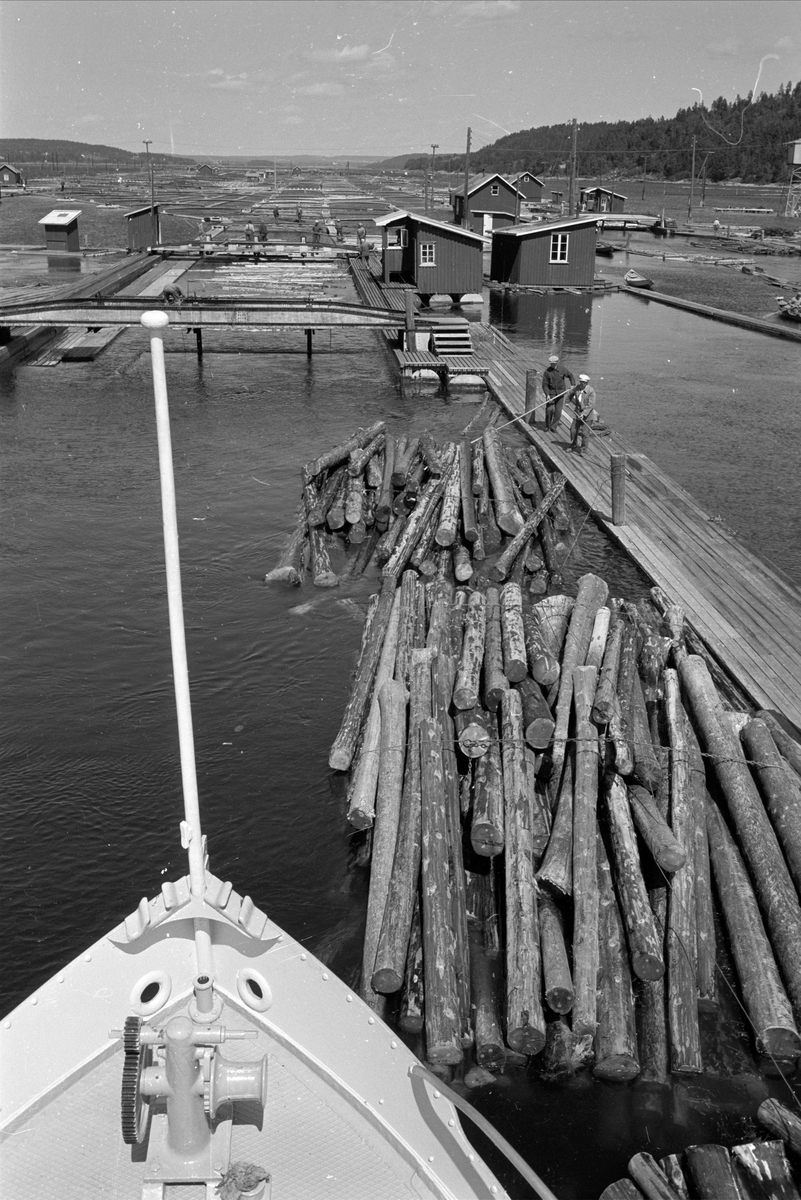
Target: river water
x: 91, y: 790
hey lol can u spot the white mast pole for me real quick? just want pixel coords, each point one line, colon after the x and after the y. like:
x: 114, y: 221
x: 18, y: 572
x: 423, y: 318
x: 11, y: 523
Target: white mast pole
x: 191, y: 836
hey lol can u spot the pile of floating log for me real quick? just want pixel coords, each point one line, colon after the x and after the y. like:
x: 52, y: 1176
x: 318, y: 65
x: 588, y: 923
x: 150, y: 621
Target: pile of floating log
x: 407, y: 502
x: 552, y: 785
x: 712, y: 1172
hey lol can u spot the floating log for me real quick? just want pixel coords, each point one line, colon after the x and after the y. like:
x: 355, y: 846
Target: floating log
x: 651, y: 1179
x: 566, y: 1054
x: 289, y: 568
x: 507, y: 514
x: 383, y: 509
x: 537, y: 720
x: 650, y: 1012
x: 357, y: 562
x: 671, y: 1165
x: 335, y: 516
x: 389, y: 540
x: 412, y: 614
x: 553, y: 617
x: 643, y: 939
x: 392, y: 703
x: 318, y: 508
x: 322, y: 574
x: 556, y: 868
x: 478, y: 472
x: 560, y: 512
x: 424, y: 511
x: 341, y: 754
x: 420, y: 557
x: 617, y: 739
x: 543, y: 664
x: 361, y: 796
x: 487, y: 828
x: 666, y: 850
x: 782, y: 1122
x: 711, y: 1172
x: 343, y: 450
x: 486, y: 515
x: 780, y: 788
x: 469, y: 522
x: 559, y: 993
x: 472, y: 727
x: 647, y: 768
x: 358, y: 459
x: 412, y: 1010
x: 354, y: 500
x: 554, y: 552
x: 466, y: 690
x: 495, y: 681
x: 705, y: 936
x: 607, y: 680
x: 442, y: 1022
x: 592, y: 593
x: 685, y: 1034
x: 538, y: 813
x: 600, y: 631
x: 525, y: 1022
x: 622, y: 1189
x: 774, y: 887
x: 765, y: 999
x: 449, y: 517
x: 761, y: 1169
x: 501, y: 567
x: 490, y: 1050
x: 788, y: 746
x: 615, y: 1035
x: 462, y: 562
x: 405, y: 454
x: 374, y: 471
x: 515, y: 666
x: 585, y: 887
x: 430, y: 456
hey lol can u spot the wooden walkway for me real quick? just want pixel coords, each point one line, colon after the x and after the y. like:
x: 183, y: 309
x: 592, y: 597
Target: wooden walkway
x: 758, y: 324
x: 747, y: 613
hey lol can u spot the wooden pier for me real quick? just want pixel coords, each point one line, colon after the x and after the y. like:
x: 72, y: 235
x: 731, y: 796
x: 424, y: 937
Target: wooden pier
x: 758, y: 324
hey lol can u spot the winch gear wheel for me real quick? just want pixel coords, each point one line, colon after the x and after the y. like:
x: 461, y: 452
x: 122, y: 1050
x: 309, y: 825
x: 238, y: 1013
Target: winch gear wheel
x: 133, y: 1107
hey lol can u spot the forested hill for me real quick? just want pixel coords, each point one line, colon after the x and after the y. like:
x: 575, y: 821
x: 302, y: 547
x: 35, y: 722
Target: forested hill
x: 744, y: 140
x: 71, y: 155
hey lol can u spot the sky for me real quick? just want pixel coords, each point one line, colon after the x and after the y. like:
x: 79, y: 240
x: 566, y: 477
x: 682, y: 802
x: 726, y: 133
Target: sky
x: 208, y: 78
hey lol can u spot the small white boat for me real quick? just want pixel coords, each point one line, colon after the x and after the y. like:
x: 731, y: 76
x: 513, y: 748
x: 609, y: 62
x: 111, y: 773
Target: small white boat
x: 790, y: 308
x: 114, y: 1083
x: 634, y: 279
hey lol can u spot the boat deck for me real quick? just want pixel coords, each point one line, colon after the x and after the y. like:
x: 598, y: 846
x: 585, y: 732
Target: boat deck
x: 747, y: 612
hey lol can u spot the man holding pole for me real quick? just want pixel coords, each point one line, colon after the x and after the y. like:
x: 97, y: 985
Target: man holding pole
x: 556, y: 382
x: 582, y: 398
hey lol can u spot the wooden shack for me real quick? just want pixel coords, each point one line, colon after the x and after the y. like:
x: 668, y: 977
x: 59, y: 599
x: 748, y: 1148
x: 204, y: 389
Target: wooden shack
x: 207, y: 171
x: 601, y: 200
x: 144, y: 227
x: 528, y: 185
x: 432, y: 257
x: 9, y: 174
x: 548, y: 254
x: 61, y: 230
x: 492, y: 203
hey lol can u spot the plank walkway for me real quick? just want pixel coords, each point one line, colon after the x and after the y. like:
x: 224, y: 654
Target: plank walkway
x: 747, y: 612
x: 718, y: 314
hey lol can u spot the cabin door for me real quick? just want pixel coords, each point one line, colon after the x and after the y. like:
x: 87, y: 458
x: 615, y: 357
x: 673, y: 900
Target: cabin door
x: 487, y: 224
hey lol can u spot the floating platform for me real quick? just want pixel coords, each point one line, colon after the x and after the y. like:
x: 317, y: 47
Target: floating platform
x: 757, y: 324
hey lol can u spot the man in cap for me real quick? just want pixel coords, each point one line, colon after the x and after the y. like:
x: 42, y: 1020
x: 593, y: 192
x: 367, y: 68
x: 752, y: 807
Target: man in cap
x: 582, y: 398
x: 556, y: 382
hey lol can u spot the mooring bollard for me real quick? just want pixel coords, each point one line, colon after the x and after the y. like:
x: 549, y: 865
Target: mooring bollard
x: 531, y: 390
x: 618, y: 473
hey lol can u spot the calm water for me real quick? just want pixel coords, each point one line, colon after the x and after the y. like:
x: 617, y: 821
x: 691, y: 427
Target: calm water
x: 87, y: 737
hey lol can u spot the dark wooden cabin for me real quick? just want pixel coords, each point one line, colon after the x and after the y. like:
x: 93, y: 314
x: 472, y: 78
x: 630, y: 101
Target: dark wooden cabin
x: 528, y: 185
x: 434, y: 258
x: 9, y: 174
x: 61, y: 230
x: 601, y: 200
x: 492, y: 203
x: 207, y: 171
x: 144, y: 227
x: 548, y: 254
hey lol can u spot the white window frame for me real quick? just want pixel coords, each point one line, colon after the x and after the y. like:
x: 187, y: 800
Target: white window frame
x: 428, y: 254
x: 495, y: 189
x: 559, y: 247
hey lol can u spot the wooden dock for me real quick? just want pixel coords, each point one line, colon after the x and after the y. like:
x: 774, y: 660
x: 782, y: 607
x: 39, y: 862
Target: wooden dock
x: 758, y: 324
x: 747, y: 612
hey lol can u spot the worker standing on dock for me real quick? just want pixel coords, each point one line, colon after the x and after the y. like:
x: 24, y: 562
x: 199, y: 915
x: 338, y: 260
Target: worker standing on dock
x: 582, y: 398
x: 250, y: 233
x: 298, y: 214
x: 262, y: 232
x: 317, y: 229
x: 276, y: 215
x: 361, y: 240
x: 339, y: 230
x: 556, y: 382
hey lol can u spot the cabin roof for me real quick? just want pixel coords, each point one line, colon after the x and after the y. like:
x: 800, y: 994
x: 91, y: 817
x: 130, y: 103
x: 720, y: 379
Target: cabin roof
x: 476, y: 182
x: 10, y: 166
x: 137, y: 212
x: 587, y: 190
x: 527, y: 174
x: 61, y: 216
x: 546, y: 226
x: 396, y: 218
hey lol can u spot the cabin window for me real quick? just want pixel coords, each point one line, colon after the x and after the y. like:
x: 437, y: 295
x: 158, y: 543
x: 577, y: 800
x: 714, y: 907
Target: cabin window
x: 427, y: 254
x: 559, y: 247
x: 404, y: 237
x: 495, y: 189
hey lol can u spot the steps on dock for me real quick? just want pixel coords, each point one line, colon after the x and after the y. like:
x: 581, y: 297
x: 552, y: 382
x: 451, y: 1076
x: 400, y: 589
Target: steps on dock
x: 451, y: 339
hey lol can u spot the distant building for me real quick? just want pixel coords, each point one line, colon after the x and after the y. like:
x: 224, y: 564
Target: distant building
x: 61, y: 230
x: 601, y: 200
x: 492, y: 202
x: 207, y: 170
x: 9, y: 174
x: 144, y: 227
x: 435, y: 258
x: 528, y: 185
x: 549, y: 254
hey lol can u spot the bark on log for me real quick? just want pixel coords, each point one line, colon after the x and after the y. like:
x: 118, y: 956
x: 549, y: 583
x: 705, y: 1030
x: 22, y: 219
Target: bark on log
x: 585, y: 885
x: 543, y: 664
x: 472, y: 727
x: 774, y: 887
x: 765, y: 999
x: 383, y: 509
x: 597, y: 646
x: 466, y: 690
x: 711, y: 1172
x: 559, y: 994
x: 788, y: 746
x: 500, y: 569
x: 487, y: 828
x: 354, y: 500
x: 421, y: 554
x: 412, y: 1012
x: 515, y: 664
x: 289, y: 568
x: 490, y: 1051
x: 622, y: 1189
x: 469, y: 522
x: 592, y: 593
x: 538, y: 813
x: 358, y: 459
x: 538, y: 723
x: 356, y: 563
x: 615, y: 1035
x: 782, y: 1122
x: 449, y: 517
x: 705, y: 936
x: 525, y: 1022
x: 318, y: 509
x: 561, y: 513
x: 641, y: 932
x: 442, y: 1022
x: 341, y: 754
x: 430, y: 455
x: 671, y: 1165
x: 556, y: 868
x: 647, y: 768
x: 405, y: 454
x: 666, y: 850
x: 477, y: 469
x: 553, y: 550
x: 486, y: 516
x: 607, y: 680
x: 462, y: 562
x: 651, y: 1179
x: 423, y: 512
x: 362, y: 792
x: 565, y: 1054
x: 651, y: 1014
x: 495, y: 681
x: 553, y: 617
x: 507, y: 514
x: 762, y: 1170
x: 322, y: 574
x: 389, y: 540
x: 392, y: 703
x: 412, y: 613
x: 781, y: 791
x: 339, y: 453
x: 374, y: 471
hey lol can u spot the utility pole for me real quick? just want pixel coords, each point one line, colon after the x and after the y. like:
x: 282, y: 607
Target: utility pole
x: 571, y: 197
x: 275, y: 176
x: 703, y: 179
x: 644, y: 172
x: 153, y: 230
x: 692, y: 185
x: 434, y: 146
x: 466, y: 177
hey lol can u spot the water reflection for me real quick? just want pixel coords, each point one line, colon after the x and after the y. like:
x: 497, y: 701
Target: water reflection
x: 561, y: 321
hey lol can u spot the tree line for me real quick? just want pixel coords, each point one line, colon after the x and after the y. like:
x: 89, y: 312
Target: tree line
x: 739, y: 139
